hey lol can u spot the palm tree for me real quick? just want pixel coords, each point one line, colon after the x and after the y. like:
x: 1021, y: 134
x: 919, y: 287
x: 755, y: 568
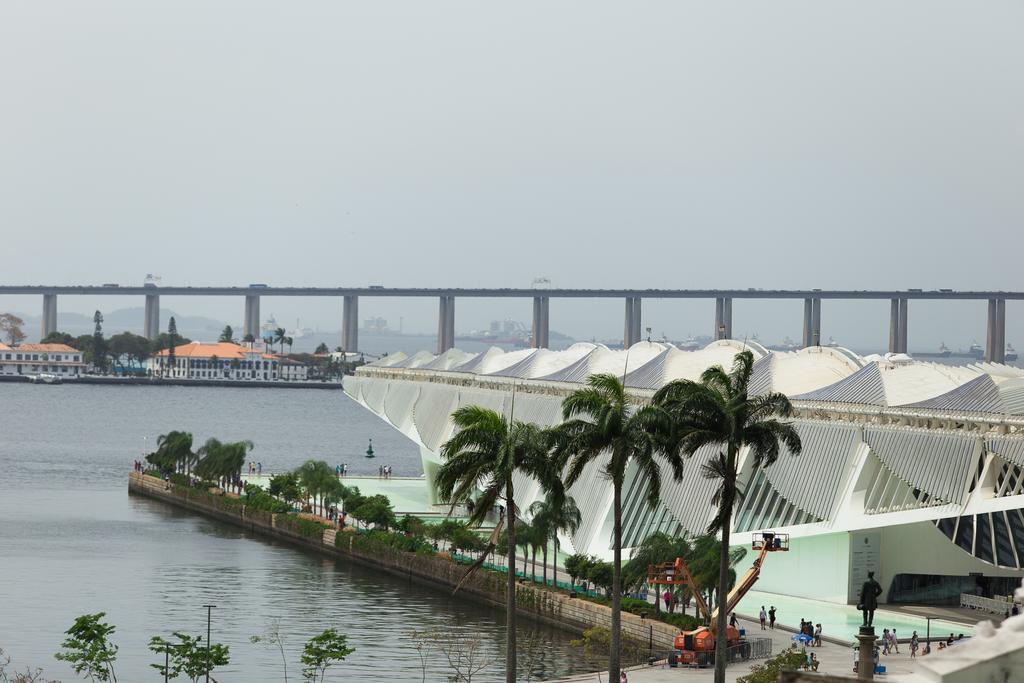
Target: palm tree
x: 657, y: 548
x: 716, y: 411
x: 485, y: 453
x: 556, y: 513
x: 602, y: 423
x: 280, y: 334
x: 174, y: 451
x: 288, y: 341
x: 316, y: 478
x: 222, y: 462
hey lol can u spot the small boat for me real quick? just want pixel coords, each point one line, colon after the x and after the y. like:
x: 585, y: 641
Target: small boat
x: 45, y: 378
x: 1011, y: 353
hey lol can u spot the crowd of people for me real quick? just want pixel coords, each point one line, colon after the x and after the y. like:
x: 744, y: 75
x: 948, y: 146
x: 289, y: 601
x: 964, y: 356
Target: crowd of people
x: 384, y: 472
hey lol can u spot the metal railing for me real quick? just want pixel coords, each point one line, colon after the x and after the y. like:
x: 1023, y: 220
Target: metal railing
x: 993, y: 606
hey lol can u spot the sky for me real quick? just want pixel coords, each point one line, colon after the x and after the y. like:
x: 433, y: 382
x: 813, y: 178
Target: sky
x: 846, y: 145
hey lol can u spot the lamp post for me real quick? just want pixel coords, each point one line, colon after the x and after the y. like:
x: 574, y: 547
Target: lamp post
x: 209, y: 609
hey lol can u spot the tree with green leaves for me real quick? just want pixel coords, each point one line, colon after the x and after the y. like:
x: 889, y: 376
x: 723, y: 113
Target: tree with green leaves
x: 577, y: 566
x: 130, y: 349
x: 603, y: 424
x: 286, y: 486
x: 172, y: 334
x: 279, y: 336
x: 99, y: 344
x: 317, y: 477
x: 187, y: 655
x: 602, y: 574
x: 376, y: 510
x: 484, y: 454
x: 88, y: 649
x: 718, y: 411
x: 321, y: 349
x: 288, y: 341
x: 556, y: 513
x: 60, y: 338
x: 322, y: 652
x: 227, y: 335
x: 173, y: 452
x: 222, y: 462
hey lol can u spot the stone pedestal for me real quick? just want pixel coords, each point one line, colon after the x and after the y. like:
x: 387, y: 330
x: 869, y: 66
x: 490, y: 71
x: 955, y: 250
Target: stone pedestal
x: 866, y: 653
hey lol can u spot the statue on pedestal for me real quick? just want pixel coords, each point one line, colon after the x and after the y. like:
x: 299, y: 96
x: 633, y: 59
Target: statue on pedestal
x: 869, y: 593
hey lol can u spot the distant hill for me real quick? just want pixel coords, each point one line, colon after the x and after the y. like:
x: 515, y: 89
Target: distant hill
x: 129, y: 320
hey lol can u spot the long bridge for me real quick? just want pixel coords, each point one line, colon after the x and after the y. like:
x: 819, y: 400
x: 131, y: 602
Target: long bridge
x: 995, y: 347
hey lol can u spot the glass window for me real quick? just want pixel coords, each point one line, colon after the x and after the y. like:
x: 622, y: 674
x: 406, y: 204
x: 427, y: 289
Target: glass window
x: 965, y: 533
x: 1004, y: 552
x: 983, y: 538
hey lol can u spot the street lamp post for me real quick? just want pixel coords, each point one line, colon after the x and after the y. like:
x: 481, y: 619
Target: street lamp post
x: 209, y: 609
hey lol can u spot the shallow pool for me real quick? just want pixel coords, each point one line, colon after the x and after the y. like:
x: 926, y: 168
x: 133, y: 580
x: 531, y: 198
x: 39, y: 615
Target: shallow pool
x: 842, y: 621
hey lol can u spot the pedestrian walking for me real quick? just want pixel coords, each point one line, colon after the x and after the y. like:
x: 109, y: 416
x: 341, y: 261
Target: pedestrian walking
x: 771, y: 617
x: 817, y: 635
x: 732, y: 620
x: 886, y: 643
x: 763, y: 616
x: 914, y: 643
x: 895, y: 642
x: 259, y: 469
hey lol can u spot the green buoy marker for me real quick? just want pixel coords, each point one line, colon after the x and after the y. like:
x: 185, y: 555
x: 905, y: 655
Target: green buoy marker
x: 369, y: 449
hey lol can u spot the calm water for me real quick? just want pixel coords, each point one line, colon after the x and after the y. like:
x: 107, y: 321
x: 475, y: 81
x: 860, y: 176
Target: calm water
x: 72, y: 541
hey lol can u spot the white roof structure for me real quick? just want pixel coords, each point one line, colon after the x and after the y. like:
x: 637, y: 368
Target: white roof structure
x: 887, y: 442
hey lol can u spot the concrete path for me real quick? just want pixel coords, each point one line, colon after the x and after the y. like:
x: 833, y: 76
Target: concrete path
x: 835, y: 659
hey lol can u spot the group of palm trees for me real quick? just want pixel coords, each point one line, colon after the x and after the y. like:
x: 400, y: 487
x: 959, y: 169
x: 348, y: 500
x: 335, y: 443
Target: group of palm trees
x: 604, y: 424
x: 215, y: 461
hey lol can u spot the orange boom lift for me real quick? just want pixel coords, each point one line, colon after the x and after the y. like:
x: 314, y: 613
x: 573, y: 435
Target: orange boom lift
x: 698, y: 646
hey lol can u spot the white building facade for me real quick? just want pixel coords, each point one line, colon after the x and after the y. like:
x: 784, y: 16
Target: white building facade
x: 34, y: 359
x: 223, y: 361
x: 909, y: 469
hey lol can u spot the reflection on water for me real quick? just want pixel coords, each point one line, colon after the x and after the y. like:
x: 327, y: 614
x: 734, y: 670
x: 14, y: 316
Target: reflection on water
x: 72, y: 541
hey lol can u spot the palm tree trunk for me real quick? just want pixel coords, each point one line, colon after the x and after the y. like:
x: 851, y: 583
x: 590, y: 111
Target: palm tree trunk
x: 510, y: 588
x: 616, y: 635
x: 554, y: 565
x: 533, y: 574
x: 728, y: 492
x: 545, y: 565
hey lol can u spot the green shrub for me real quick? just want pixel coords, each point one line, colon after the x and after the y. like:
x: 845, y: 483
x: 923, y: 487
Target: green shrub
x: 258, y: 499
x: 768, y: 672
x: 684, y: 622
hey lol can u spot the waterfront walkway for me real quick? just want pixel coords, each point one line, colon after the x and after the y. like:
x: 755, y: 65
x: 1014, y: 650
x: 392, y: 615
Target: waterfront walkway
x: 835, y: 659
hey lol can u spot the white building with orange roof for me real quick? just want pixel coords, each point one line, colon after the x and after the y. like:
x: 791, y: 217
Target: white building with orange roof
x: 220, y: 360
x: 34, y: 359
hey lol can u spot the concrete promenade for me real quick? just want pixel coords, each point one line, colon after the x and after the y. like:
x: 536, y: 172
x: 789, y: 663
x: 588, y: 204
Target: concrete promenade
x: 835, y: 659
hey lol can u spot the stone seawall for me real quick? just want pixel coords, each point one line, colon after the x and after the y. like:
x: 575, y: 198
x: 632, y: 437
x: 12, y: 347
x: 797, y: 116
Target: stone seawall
x: 488, y: 587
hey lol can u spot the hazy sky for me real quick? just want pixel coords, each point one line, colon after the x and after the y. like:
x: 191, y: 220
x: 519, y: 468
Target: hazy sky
x: 628, y: 144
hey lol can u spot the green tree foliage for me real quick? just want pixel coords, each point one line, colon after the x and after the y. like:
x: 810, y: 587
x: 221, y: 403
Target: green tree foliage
x: 411, y: 525
x: 88, y: 649
x: 273, y: 637
x: 376, y: 510
x: 603, y: 424
x: 221, y: 461
x: 279, y: 337
x: 577, y: 566
x: 163, y: 341
x: 602, y: 574
x: 717, y: 411
x: 322, y: 349
x: 130, y: 349
x: 10, y: 328
x: 768, y: 671
x: 485, y: 453
x: 320, y: 483
x: 227, y: 334
x: 187, y: 655
x: 172, y: 342
x: 174, y: 452
x: 99, y: 344
x: 60, y: 338
x: 322, y: 652
x: 285, y: 486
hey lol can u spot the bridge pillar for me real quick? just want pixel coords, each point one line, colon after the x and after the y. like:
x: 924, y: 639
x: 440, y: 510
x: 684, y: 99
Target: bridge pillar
x: 631, y: 332
x: 541, y: 319
x: 995, y: 340
x: 894, y: 326
x: 151, y: 318
x: 904, y: 317
x: 49, y: 314
x: 350, y: 324
x: 251, y: 324
x: 808, y: 336
x: 446, y: 324
x: 815, y: 322
x: 723, y: 318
